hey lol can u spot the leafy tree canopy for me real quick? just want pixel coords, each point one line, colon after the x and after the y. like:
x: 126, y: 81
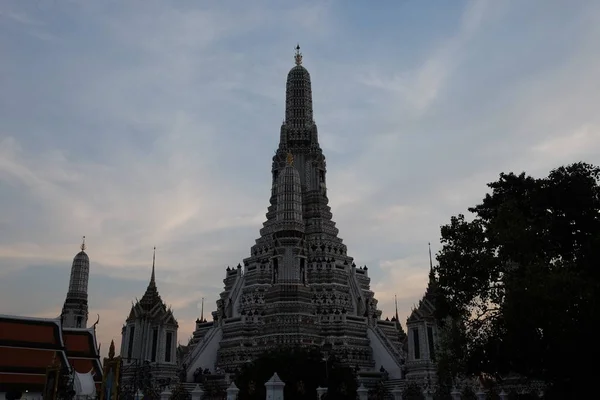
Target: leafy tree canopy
x: 520, y: 280
x: 302, y: 370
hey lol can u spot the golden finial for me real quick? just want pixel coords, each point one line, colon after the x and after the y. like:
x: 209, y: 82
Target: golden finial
x: 298, y: 56
x: 290, y: 159
x: 82, y: 247
x: 111, y: 350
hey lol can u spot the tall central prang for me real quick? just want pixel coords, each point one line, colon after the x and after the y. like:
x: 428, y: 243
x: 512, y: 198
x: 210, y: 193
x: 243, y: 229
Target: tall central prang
x: 299, y: 287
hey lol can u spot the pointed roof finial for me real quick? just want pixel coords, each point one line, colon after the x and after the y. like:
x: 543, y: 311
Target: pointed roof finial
x: 290, y: 159
x: 111, y: 350
x: 202, y: 311
x: 298, y: 56
x: 83, y: 247
x: 430, y: 259
x: 152, y: 278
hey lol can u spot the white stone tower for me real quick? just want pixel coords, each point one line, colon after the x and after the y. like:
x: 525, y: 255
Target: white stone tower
x: 75, y: 310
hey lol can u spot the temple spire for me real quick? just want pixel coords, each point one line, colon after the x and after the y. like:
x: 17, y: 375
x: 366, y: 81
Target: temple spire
x: 75, y: 309
x: 151, y: 297
x: 202, y: 311
x: 396, y: 302
x: 152, y: 277
x: 111, y: 350
x: 430, y: 259
x: 299, y: 109
x: 298, y: 55
x: 432, y: 285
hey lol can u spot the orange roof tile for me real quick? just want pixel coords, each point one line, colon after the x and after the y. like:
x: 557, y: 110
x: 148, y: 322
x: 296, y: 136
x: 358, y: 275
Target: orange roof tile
x: 15, y: 357
x: 28, y: 346
x: 78, y: 342
x: 23, y: 378
x: 29, y: 331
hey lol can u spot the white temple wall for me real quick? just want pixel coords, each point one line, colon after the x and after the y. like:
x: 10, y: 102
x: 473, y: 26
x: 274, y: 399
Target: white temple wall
x: 208, y: 353
x: 420, y: 327
x: 382, y: 356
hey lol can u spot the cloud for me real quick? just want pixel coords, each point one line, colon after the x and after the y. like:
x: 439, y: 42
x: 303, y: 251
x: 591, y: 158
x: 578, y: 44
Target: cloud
x: 419, y: 87
x: 155, y: 126
x: 583, y: 141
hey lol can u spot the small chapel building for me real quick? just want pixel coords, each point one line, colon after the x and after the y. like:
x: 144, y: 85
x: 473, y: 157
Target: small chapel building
x: 149, y: 342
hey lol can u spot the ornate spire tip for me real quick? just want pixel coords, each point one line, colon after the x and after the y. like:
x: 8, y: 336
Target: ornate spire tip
x: 298, y: 56
x: 152, y: 278
x: 83, y: 247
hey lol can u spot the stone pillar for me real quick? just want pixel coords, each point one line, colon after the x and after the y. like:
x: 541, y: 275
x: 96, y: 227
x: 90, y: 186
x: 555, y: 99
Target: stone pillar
x: 320, y: 392
x: 166, y: 394
x: 363, y: 392
x: 397, y: 393
x: 481, y: 394
x: 197, y: 393
x: 503, y: 395
x: 428, y: 393
x: 456, y: 394
x: 274, y: 388
x: 232, y: 392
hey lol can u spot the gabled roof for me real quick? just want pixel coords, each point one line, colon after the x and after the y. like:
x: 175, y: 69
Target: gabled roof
x: 151, y: 304
x: 159, y: 313
x: 44, y: 331
x: 424, y: 311
x: 82, y: 351
x: 28, y: 346
x: 426, y: 308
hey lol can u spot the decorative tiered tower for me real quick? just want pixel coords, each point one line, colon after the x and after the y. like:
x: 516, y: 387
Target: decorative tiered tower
x: 148, y: 341
x: 75, y: 310
x: 422, y: 327
x: 299, y: 287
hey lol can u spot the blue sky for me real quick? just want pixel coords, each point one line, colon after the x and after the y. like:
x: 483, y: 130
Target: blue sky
x: 153, y: 123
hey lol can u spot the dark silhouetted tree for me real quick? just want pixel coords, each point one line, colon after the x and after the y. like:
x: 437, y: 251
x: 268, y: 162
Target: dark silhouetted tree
x: 520, y: 280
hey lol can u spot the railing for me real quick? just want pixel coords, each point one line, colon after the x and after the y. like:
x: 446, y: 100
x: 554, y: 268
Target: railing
x: 357, y: 292
x: 391, y: 349
x: 239, y: 283
x: 197, y: 350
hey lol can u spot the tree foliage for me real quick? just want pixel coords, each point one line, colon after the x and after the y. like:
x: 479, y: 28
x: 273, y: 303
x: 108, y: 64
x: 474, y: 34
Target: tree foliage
x: 302, y: 370
x: 520, y: 280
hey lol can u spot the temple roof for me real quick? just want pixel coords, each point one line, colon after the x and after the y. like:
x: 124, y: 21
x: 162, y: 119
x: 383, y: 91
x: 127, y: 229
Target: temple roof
x: 299, y: 108
x: 427, y: 305
x: 28, y: 347
x: 151, y: 298
x: 151, y: 304
x: 82, y: 351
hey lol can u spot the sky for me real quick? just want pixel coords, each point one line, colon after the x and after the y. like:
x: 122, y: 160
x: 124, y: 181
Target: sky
x: 153, y: 123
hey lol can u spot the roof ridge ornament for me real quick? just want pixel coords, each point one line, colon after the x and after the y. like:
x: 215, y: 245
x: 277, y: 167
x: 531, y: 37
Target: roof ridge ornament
x: 298, y: 55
